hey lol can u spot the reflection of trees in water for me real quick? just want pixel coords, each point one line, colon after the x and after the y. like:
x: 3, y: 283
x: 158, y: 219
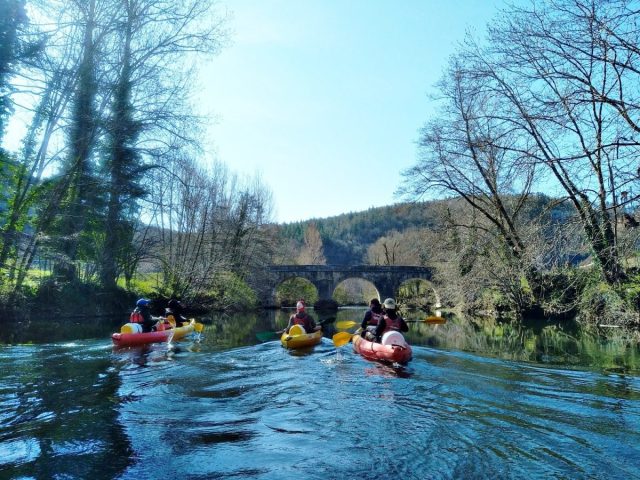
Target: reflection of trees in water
x: 233, y: 330
x: 54, y: 329
x: 536, y: 343
x: 240, y: 329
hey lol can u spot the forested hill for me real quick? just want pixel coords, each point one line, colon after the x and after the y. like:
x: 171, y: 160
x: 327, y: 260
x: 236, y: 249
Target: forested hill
x: 346, y: 237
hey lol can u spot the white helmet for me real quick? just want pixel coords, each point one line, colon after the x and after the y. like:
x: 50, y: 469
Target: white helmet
x: 390, y: 304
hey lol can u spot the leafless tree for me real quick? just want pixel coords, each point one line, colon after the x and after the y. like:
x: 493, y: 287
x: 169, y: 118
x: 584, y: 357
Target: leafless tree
x: 558, y: 67
x: 209, y: 222
x: 312, y: 251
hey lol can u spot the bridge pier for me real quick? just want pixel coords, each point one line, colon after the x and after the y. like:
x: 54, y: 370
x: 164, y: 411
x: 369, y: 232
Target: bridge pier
x: 325, y: 289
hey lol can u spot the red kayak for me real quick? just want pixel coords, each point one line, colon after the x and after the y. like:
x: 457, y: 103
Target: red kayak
x: 134, y: 338
x: 393, y: 348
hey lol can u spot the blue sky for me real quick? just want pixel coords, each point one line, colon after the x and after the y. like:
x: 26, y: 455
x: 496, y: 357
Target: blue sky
x: 324, y: 98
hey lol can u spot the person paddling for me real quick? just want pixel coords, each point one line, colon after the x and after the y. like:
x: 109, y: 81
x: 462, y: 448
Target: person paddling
x: 142, y: 315
x: 371, y: 320
x: 173, y: 313
x: 391, y: 320
x: 302, y: 318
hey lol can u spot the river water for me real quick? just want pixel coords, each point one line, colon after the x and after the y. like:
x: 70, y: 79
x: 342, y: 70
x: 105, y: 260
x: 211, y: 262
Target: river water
x: 478, y: 400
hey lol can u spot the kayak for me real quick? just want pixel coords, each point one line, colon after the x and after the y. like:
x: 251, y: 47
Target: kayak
x: 298, y: 338
x: 393, y: 348
x: 133, y: 339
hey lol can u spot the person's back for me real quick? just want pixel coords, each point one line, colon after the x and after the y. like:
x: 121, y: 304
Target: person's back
x: 174, y: 313
x: 371, y: 320
x: 391, y: 320
x: 143, y: 311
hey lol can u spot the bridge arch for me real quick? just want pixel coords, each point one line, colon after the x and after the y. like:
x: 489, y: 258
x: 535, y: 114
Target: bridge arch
x: 422, y: 289
x: 355, y: 290
x: 385, y: 278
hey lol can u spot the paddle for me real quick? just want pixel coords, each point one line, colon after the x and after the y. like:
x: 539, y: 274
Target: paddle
x: 430, y: 320
x: 341, y: 338
x: 346, y: 324
x: 266, y: 336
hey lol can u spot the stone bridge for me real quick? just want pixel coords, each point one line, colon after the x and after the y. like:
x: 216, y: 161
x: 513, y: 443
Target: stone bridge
x: 386, y: 279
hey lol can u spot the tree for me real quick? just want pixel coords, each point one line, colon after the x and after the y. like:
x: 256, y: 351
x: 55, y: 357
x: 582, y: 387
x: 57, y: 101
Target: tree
x: 209, y: 223
x: 114, y: 80
x: 150, y: 43
x: 401, y: 248
x: 548, y: 102
x: 567, y: 75
x: 17, y: 47
x: 13, y: 49
x: 79, y: 184
x: 312, y: 250
x: 469, y: 151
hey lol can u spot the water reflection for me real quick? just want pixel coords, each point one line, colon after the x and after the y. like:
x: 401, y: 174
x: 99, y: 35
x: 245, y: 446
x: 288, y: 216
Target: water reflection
x: 557, y: 344
x: 536, y: 342
x: 231, y: 406
x: 384, y: 370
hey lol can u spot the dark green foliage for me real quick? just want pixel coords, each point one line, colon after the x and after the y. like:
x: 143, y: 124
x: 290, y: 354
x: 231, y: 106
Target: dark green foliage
x: 346, y: 237
x: 123, y: 169
x: 75, y: 224
x: 12, y: 19
x: 290, y: 291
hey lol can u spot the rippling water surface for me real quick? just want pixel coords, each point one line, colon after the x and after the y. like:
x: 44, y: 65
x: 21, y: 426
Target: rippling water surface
x: 229, y: 406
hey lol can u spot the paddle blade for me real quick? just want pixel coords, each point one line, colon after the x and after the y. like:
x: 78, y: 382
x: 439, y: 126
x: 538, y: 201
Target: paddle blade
x: 266, y: 336
x: 435, y: 320
x: 345, y: 324
x: 341, y: 338
x: 199, y: 327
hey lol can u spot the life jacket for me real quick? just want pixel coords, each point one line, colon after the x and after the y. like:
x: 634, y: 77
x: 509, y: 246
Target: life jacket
x: 374, y: 319
x: 305, y: 321
x: 177, y: 318
x: 392, y: 323
x: 136, y: 317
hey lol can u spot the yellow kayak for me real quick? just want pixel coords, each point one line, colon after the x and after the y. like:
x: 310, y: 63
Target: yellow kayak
x: 298, y: 338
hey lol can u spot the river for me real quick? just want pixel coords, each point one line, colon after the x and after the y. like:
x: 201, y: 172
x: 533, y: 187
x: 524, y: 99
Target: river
x: 478, y: 400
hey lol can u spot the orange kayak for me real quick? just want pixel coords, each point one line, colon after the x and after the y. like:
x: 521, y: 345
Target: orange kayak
x: 393, y: 348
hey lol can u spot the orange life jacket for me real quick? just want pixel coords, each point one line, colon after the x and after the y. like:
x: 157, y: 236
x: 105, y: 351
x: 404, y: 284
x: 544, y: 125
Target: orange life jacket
x: 136, y: 317
x: 305, y: 321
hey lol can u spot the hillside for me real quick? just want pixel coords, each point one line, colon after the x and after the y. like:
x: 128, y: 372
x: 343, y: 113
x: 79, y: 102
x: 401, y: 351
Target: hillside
x: 346, y: 237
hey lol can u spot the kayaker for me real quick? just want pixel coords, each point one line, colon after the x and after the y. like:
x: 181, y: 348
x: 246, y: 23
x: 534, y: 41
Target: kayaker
x: 302, y: 318
x: 371, y: 320
x: 173, y: 313
x: 142, y: 315
x: 391, y: 320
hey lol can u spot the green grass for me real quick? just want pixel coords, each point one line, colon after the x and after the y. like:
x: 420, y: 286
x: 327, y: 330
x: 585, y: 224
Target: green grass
x: 144, y: 284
